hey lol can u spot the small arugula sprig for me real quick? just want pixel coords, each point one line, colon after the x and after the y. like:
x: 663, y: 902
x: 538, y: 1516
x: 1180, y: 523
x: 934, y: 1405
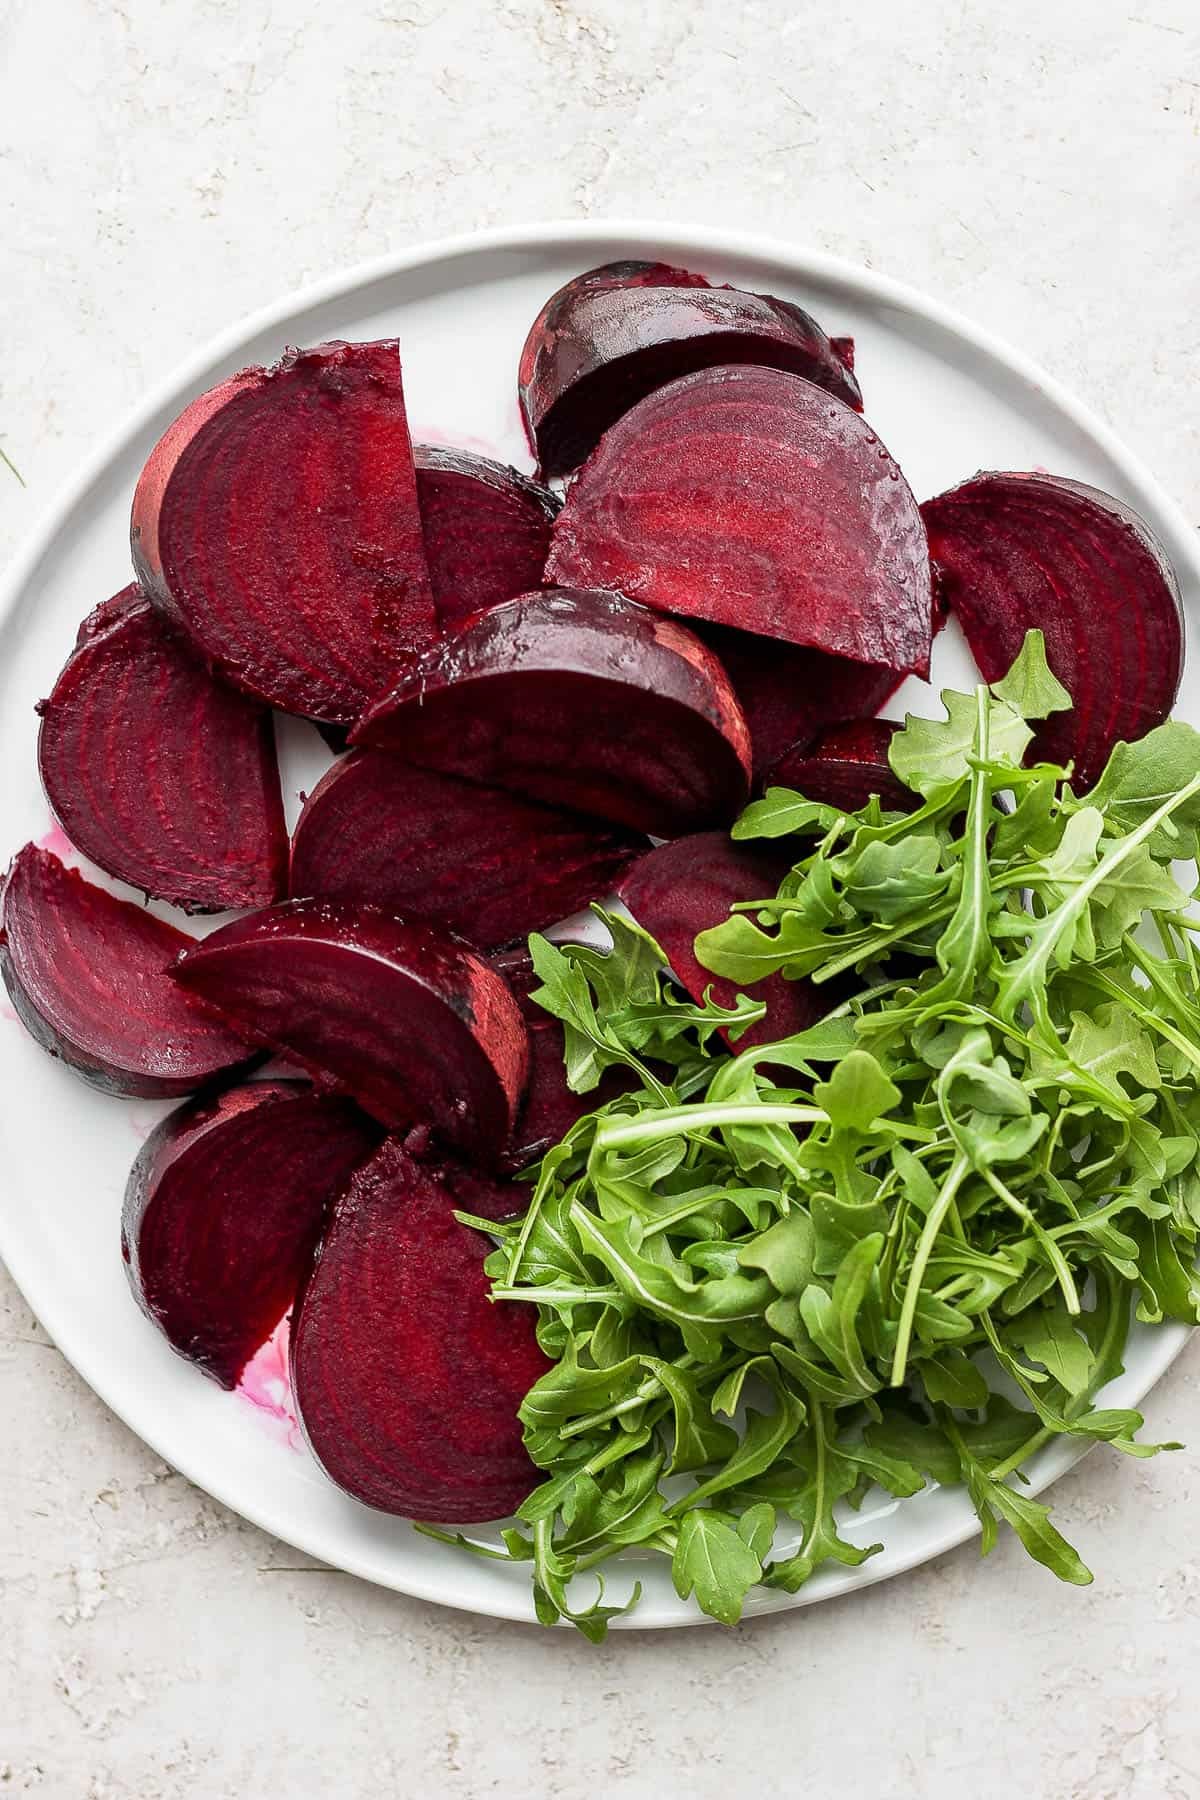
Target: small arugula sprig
x: 902, y: 1246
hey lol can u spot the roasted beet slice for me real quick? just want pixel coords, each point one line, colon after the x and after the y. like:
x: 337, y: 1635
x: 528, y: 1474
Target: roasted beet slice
x: 612, y: 336
x: 88, y: 975
x: 486, y: 528
x: 846, y: 765
x: 678, y: 890
x: 223, y: 1210
x: 789, y: 695
x: 550, y: 1108
x: 276, y: 522
x: 1018, y: 551
x: 751, y: 498
x: 158, y: 773
x: 481, y: 862
x: 582, y: 700
x: 399, y: 1015
x: 407, y: 1376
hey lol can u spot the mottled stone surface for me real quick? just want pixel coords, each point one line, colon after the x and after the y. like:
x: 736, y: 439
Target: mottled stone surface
x: 164, y: 168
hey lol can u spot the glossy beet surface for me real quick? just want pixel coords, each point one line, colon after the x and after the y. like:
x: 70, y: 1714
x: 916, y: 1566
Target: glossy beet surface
x: 409, y: 1022
x: 89, y: 976
x: 481, y: 862
x: 750, y: 498
x: 1018, y: 551
x: 613, y: 335
x: 845, y: 766
x: 486, y: 530
x: 678, y: 890
x: 157, y: 772
x: 223, y: 1210
x: 580, y: 700
x: 550, y: 1108
x: 406, y: 1376
x: 276, y: 523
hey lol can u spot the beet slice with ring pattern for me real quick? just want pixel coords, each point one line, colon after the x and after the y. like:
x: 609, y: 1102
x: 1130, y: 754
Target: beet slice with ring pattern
x: 223, y: 1210
x: 163, y: 776
x: 89, y: 976
x: 276, y: 523
x: 1015, y: 551
x: 407, y: 1377
x: 750, y: 498
x: 484, y: 864
x: 486, y: 530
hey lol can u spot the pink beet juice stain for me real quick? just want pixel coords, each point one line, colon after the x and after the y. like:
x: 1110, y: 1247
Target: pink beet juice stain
x: 59, y: 844
x: 266, y: 1385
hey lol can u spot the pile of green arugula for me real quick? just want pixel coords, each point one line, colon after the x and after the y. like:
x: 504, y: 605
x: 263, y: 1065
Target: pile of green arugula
x: 767, y: 1288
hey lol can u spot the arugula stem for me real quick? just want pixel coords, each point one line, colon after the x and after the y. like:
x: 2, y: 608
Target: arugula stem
x: 1054, y: 1255
x: 681, y: 1121
x: 935, y: 1218
x: 650, y: 1389
x: 881, y: 940
x: 560, y: 1296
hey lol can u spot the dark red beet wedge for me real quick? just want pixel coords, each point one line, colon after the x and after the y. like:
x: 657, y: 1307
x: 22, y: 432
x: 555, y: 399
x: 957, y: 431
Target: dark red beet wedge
x: 678, y: 890
x: 550, y: 1107
x: 223, y: 1210
x: 486, y: 529
x: 476, y: 860
x: 1018, y: 551
x: 846, y: 765
x: 789, y: 695
x: 612, y: 336
x: 89, y: 977
x: 581, y: 700
x: 276, y: 522
x: 406, y: 1376
x: 158, y: 773
x: 398, y: 1015
x: 753, y: 499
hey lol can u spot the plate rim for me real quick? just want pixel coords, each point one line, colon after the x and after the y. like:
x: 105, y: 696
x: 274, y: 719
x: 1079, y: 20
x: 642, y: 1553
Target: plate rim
x: 652, y: 236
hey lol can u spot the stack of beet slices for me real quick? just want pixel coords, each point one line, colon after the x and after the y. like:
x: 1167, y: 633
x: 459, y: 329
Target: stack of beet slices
x: 547, y: 697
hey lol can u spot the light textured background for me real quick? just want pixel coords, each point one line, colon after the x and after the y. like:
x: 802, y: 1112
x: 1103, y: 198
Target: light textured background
x: 166, y: 165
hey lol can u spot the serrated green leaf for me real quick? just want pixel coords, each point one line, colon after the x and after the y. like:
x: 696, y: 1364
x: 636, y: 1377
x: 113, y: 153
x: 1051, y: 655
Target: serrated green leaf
x: 857, y: 1093
x: 934, y: 755
x: 1029, y: 687
x: 713, y: 1562
x: 784, y: 1252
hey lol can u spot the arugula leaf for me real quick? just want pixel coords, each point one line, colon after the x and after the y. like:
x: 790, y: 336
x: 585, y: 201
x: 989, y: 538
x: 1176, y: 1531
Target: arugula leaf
x: 933, y: 755
x: 1049, y: 1336
x: 857, y: 1093
x: 784, y: 1252
x: 1140, y: 778
x: 1030, y: 687
x: 714, y: 1561
x: 781, y: 812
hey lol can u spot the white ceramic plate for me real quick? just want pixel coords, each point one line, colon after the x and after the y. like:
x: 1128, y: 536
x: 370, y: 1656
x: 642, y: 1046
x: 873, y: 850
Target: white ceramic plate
x: 946, y: 398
